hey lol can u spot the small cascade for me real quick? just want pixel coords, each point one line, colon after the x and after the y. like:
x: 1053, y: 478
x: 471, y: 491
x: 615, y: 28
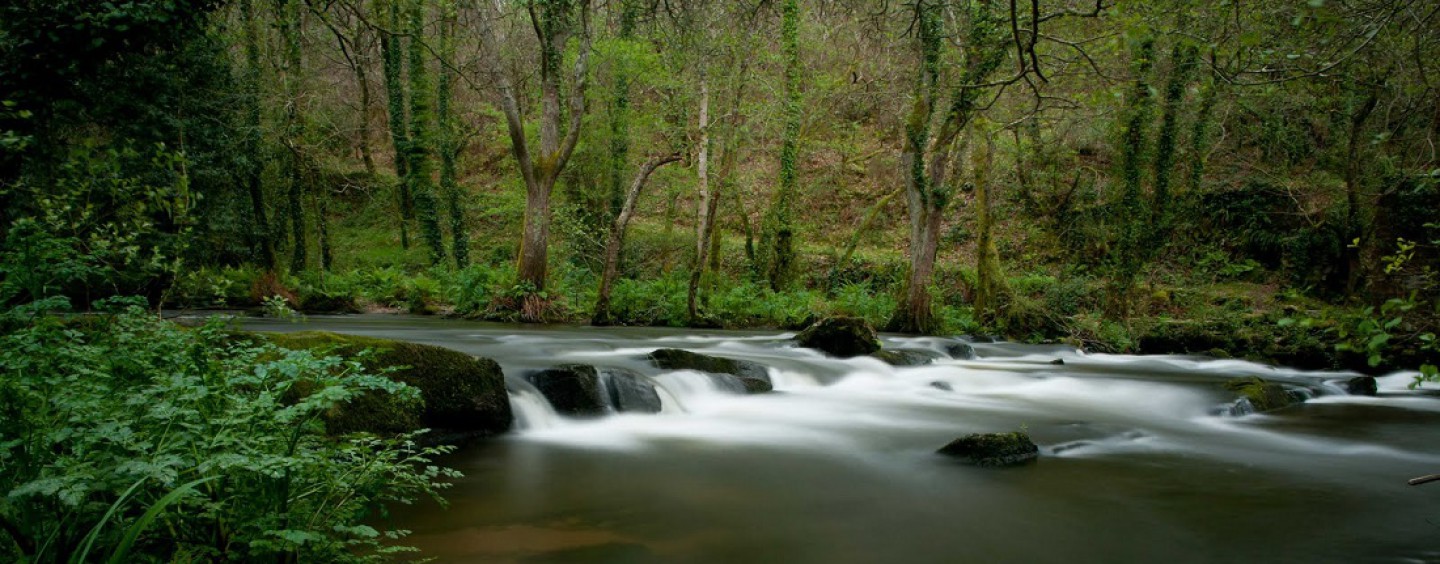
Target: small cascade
x: 683, y: 388
x: 532, y: 412
x: 1240, y: 408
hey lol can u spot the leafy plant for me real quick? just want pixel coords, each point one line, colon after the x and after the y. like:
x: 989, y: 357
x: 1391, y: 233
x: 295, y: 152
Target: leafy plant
x: 133, y: 437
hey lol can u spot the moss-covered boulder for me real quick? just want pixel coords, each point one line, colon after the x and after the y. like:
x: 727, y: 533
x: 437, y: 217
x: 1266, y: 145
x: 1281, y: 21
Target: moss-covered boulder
x: 1262, y: 395
x: 902, y: 357
x: 460, y: 394
x: 992, y: 449
x: 629, y: 391
x: 572, y: 389
x: 844, y: 337
x: 752, y: 376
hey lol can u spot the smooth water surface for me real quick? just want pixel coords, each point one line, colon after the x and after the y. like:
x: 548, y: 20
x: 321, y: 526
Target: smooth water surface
x: 1142, y: 459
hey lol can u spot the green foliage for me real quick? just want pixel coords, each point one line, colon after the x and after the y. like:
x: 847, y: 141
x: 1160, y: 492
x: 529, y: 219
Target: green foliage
x: 129, y: 436
x: 91, y: 229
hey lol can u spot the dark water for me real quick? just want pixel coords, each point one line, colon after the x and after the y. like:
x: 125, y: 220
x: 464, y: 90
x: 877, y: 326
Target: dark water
x: 1141, y: 460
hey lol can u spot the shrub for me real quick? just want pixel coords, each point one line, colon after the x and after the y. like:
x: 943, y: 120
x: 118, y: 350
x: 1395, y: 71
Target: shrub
x: 135, y: 437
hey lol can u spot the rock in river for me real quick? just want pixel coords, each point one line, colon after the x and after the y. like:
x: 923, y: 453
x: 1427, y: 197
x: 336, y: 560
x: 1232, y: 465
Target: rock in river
x: 630, y: 391
x: 840, y: 336
x: 461, y: 394
x: 572, y: 389
x: 751, y: 377
x: 902, y: 357
x: 992, y: 449
x: 1362, y: 386
x: 1263, y: 395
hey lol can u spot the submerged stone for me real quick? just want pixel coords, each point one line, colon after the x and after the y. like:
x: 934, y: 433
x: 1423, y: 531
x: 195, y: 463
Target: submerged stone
x: 844, y: 337
x: 1263, y: 395
x: 992, y: 449
x: 751, y: 377
x: 571, y: 389
x: 960, y: 351
x: 902, y: 357
x: 460, y: 394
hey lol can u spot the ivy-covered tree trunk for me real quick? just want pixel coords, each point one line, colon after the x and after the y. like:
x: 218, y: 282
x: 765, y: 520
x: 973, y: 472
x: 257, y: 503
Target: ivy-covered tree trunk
x: 259, y: 232
x: 422, y: 138
x: 927, y: 157
x: 393, y: 64
x: 450, y: 144
x: 1139, y: 108
x: 1183, y: 61
x: 777, y: 252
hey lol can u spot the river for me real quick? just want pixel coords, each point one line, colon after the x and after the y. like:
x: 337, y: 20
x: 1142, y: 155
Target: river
x: 1142, y: 459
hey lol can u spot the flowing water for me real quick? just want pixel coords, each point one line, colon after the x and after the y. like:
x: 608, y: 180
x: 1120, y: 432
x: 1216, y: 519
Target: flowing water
x: 1143, y: 459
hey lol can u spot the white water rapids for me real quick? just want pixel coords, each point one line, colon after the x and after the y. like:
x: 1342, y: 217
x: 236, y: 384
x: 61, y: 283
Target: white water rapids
x: 1142, y: 459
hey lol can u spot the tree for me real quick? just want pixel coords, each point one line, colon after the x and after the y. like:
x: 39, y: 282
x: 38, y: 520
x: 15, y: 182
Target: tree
x: 554, y: 23
x: 616, y: 239
x: 450, y: 141
x: 393, y: 63
x: 419, y: 156
x: 929, y: 151
x: 776, y: 259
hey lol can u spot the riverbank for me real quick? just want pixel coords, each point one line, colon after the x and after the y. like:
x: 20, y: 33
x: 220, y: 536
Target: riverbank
x: 1255, y: 321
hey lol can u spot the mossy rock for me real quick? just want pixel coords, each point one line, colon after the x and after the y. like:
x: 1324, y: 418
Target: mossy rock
x: 992, y: 449
x: 1263, y: 395
x: 460, y: 394
x: 902, y: 357
x: 752, y: 376
x: 844, y: 337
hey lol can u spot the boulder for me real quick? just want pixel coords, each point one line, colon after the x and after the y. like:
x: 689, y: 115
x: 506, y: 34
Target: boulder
x: 630, y: 392
x: 960, y: 351
x: 840, y: 336
x: 1263, y: 395
x: 939, y: 385
x: 459, y: 394
x: 571, y: 389
x: 902, y: 357
x: 752, y: 377
x: 992, y: 449
x: 1362, y: 386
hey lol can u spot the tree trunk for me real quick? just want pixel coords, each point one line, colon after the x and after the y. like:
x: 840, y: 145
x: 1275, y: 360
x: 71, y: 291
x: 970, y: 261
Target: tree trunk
x: 1354, y: 221
x: 290, y: 22
x: 616, y: 239
x: 422, y: 142
x: 362, y: 78
x: 553, y: 23
x: 990, y: 282
x: 703, y: 210
x: 393, y: 63
x: 261, y: 241
x: 777, y: 244
x: 450, y: 145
